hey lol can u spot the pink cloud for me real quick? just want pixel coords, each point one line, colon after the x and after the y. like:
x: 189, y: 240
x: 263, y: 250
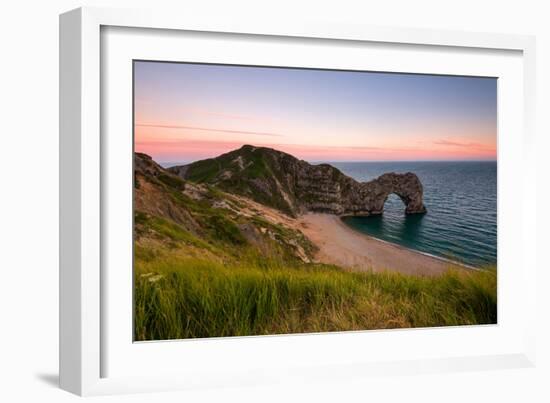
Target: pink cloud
x: 176, y: 150
x: 208, y: 129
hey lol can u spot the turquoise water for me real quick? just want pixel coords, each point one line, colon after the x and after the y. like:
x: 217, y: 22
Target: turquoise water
x: 461, y: 199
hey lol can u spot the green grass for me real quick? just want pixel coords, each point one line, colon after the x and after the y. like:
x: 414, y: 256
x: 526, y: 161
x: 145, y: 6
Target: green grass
x: 205, y: 271
x: 203, y: 171
x: 216, y: 222
x: 177, y: 297
x: 171, y: 180
x: 258, y: 168
x: 225, y: 230
x: 169, y: 230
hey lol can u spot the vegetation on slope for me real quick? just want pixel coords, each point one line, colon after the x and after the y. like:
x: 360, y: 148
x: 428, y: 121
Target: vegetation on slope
x: 181, y: 297
x: 169, y: 209
x: 211, y: 264
x: 249, y: 171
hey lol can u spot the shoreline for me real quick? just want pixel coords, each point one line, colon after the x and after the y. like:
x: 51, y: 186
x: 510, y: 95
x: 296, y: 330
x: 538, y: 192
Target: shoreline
x: 344, y: 246
x: 449, y: 261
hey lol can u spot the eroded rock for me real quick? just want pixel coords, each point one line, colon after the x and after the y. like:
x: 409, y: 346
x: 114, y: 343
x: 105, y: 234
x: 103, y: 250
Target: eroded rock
x: 279, y: 180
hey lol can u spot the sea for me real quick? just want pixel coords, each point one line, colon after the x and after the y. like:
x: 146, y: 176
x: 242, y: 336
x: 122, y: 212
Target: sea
x: 461, y: 200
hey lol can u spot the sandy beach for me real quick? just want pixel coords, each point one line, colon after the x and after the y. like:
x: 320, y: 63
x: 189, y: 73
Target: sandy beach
x: 338, y: 244
x: 343, y: 246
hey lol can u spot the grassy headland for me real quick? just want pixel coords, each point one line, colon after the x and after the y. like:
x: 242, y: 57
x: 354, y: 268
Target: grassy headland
x: 211, y: 264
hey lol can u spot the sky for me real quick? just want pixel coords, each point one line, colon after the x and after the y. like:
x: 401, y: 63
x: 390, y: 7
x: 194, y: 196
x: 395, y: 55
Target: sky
x: 185, y: 112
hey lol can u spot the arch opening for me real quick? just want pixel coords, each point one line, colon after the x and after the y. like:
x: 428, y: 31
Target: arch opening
x: 394, y: 204
x: 406, y: 187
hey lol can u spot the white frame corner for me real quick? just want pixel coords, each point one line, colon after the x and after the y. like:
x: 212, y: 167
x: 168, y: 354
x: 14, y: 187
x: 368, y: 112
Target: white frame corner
x: 80, y: 178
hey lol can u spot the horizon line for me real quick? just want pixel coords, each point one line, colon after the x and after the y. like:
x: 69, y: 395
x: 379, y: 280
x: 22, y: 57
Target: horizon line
x: 183, y: 162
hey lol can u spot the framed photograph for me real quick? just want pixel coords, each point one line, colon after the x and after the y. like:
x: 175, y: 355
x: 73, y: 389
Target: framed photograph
x: 244, y: 201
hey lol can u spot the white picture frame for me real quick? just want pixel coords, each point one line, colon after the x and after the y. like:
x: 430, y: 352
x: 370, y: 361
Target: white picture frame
x: 88, y: 331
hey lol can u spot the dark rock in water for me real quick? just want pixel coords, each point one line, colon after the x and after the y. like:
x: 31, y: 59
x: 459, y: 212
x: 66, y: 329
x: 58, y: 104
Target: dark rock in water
x: 279, y: 180
x: 407, y: 186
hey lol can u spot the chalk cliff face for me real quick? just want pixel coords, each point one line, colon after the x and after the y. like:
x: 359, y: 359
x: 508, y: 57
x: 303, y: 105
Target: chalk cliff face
x: 279, y: 180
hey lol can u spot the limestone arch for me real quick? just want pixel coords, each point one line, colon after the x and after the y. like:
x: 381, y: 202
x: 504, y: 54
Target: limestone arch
x: 405, y: 186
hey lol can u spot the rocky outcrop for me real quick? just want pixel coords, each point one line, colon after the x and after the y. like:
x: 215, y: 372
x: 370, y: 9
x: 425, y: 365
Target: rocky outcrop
x: 206, y: 222
x: 407, y: 186
x: 278, y: 179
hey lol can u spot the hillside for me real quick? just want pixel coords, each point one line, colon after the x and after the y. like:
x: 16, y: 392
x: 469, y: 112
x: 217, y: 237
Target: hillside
x: 208, y: 263
x: 203, y: 221
x: 279, y: 180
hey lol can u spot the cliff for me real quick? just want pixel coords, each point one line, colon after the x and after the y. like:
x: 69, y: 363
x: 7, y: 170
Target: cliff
x: 199, y: 220
x: 279, y: 180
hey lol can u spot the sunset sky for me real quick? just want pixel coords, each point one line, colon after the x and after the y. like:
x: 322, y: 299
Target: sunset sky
x: 186, y: 112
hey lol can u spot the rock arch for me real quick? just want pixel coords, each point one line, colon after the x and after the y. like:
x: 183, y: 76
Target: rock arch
x: 406, y: 186
x: 279, y: 180
x: 368, y: 198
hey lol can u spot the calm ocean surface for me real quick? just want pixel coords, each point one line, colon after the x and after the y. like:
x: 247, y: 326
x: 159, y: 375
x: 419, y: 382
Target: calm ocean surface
x: 461, y: 199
